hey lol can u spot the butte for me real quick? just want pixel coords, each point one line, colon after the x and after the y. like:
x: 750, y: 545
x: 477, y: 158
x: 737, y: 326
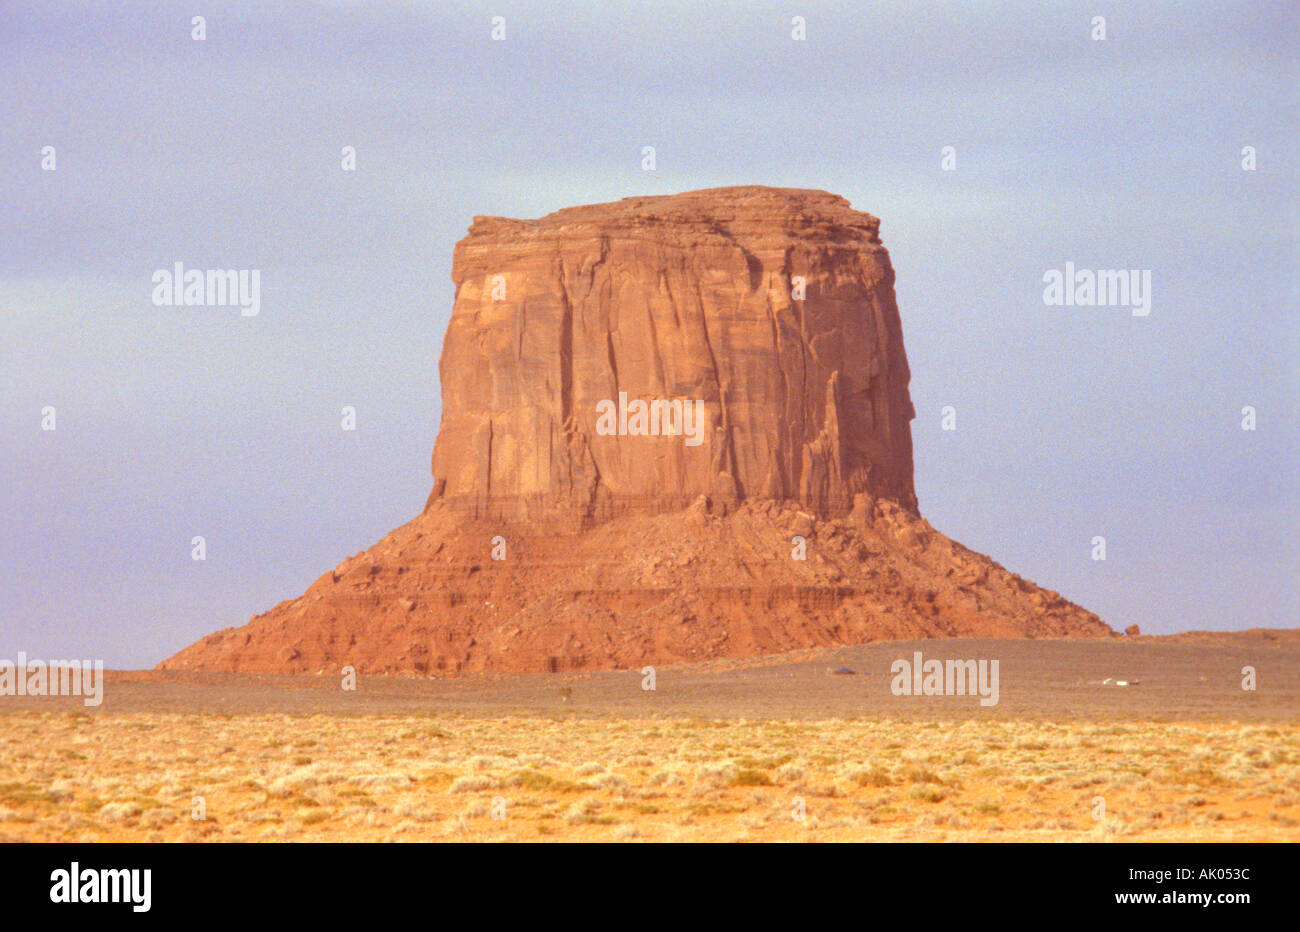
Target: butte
x: 547, y: 544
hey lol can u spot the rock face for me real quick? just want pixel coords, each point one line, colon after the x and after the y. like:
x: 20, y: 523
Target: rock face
x: 674, y: 428
x: 770, y: 311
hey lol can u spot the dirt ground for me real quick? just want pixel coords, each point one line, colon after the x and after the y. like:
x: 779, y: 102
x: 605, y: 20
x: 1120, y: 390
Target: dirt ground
x: 776, y: 749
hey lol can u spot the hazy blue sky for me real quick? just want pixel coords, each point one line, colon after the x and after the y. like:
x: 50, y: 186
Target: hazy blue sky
x: 1071, y: 422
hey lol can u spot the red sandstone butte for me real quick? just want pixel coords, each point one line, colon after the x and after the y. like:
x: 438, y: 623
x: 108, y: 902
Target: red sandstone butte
x: 786, y: 517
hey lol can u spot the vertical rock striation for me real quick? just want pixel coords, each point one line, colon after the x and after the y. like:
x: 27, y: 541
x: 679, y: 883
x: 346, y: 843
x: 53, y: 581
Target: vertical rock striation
x: 774, y: 308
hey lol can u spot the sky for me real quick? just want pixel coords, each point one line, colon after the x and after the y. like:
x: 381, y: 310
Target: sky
x: 1071, y: 422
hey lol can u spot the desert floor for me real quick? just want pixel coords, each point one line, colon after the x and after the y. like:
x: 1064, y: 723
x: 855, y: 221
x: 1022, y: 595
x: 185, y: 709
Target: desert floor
x: 778, y: 749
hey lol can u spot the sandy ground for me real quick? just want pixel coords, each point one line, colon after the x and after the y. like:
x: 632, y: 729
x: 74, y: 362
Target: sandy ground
x: 778, y: 749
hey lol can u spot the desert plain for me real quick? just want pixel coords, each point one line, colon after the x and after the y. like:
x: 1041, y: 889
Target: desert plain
x: 781, y: 748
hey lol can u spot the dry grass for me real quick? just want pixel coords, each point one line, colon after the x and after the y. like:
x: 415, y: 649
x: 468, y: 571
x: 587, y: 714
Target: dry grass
x: 272, y: 777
